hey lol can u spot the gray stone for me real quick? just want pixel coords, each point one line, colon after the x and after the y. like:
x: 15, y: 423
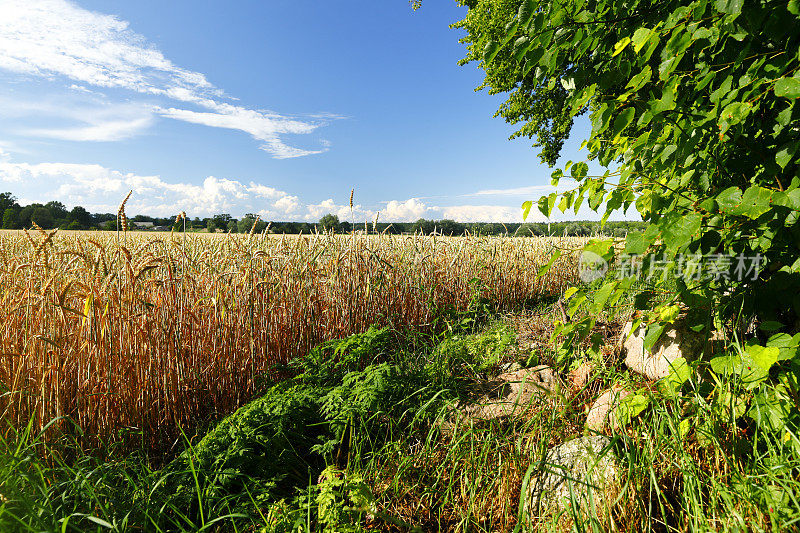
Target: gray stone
x: 510, y: 394
x: 510, y: 367
x: 583, y: 471
x: 676, y: 341
x: 603, y: 413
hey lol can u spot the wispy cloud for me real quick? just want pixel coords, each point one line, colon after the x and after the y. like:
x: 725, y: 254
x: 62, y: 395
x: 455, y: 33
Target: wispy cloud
x: 88, y: 118
x: 52, y: 38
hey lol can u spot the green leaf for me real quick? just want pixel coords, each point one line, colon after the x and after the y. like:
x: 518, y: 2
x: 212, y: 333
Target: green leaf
x: 731, y: 7
x: 735, y: 112
x: 640, y: 38
x: 669, y: 313
x: 785, y: 154
x: 763, y: 356
x: 786, y: 344
x: 636, y: 243
x: 546, y: 204
x: 654, y: 332
x: 755, y: 202
x: 544, y: 269
x: 729, y: 199
x: 678, y: 230
x: 770, y: 325
x: 623, y: 120
x: 621, y: 45
x: 787, y: 87
x: 526, y: 209
x: 630, y: 407
x: 679, y: 373
x: 490, y: 51
x: 521, y: 46
x: 579, y: 170
x: 526, y: 11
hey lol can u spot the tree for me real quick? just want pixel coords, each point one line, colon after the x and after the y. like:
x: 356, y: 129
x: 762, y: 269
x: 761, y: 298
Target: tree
x: 329, y: 222
x: 694, y: 102
x: 80, y: 216
x: 423, y: 226
x: 211, y: 226
x: 10, y: 218
x: 42, y: 217
x: 450, y: 227
x: 232, y: 226
x: 58, y: 211
x: 221, y: 221
x: 246, y: 224
x: 7, y: 201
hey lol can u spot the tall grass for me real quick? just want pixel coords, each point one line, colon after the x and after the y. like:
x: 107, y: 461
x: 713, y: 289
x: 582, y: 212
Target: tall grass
x: 135, y: 339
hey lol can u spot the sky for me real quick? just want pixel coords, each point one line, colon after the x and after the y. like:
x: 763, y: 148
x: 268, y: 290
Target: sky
x: 276, y: 107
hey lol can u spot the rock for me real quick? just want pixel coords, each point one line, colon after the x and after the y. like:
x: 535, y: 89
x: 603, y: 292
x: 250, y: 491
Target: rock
x: 603, y: 411
x: 510, y: 394
x: 581, y: 376
x: 529, y: 382
x: 584, y: 469
x: 510, y: 367
x: 676, y: 341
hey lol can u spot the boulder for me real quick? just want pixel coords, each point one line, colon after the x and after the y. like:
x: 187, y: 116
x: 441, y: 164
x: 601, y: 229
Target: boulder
x: 510, y: 367
x: 581, y: 376
x: 509, y: 394
x: 603, y: 413
x: 583, y: 472
x: 676, y: 341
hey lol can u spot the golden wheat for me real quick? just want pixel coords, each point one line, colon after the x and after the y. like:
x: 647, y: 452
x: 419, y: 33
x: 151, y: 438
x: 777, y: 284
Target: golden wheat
x: 137, y: 340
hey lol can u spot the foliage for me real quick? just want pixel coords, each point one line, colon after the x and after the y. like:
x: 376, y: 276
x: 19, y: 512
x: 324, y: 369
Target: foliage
x: 693, y: 104
x: 329, y: 222
x: 474, y: 354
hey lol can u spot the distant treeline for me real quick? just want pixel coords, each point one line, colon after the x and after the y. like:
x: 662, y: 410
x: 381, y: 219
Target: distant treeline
x: 56, y: 215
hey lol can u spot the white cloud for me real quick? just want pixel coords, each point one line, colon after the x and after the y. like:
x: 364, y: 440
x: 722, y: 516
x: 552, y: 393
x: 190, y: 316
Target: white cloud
x: 288, y: 205
x: 408, y: 211
x: 58, y: 38
x: 532, y: 190
x: 100, y: 189
x: 115, y: 130
x: 482, y: 213
x: 88, y: 118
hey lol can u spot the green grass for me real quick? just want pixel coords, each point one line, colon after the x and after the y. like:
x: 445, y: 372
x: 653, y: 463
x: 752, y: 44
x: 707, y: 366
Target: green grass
x: 352, y: 443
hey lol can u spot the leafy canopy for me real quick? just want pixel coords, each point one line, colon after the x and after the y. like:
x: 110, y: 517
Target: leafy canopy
x: 694, y: 103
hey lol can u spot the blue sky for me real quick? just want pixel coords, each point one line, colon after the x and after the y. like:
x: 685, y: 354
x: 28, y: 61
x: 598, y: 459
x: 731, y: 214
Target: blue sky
x: 276, y: 107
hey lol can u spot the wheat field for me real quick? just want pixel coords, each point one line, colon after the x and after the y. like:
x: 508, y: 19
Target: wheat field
x: 138, y: 336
